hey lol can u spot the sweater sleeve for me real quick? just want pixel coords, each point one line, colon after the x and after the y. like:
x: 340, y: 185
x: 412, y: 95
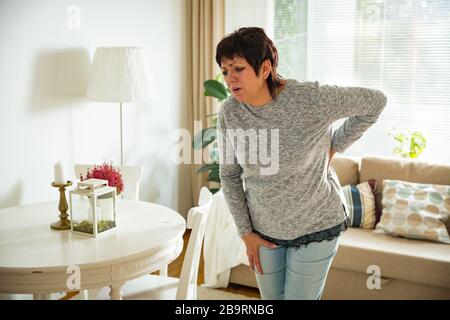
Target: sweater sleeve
x: 361, y: 107
x: 230, y: 177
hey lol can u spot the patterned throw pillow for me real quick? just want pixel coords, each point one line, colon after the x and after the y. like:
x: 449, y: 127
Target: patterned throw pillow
x: 417, y: 211
x: 361, y: 204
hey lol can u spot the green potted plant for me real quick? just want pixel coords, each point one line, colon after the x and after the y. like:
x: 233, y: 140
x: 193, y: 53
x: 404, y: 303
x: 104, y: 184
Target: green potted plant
x: 409, y: 144
x: 213, y: 88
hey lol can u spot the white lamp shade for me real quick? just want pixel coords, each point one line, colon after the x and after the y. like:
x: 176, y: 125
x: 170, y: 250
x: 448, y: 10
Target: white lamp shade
x: 118, y: 75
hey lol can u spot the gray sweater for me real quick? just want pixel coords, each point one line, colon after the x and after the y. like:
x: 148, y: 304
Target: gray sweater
x: 273, y: 159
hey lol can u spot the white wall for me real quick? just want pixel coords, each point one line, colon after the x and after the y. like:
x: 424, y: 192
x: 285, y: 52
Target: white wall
x: 45, y: 119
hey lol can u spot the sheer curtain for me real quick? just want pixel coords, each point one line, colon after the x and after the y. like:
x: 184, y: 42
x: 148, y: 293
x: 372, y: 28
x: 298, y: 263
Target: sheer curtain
x: 399, y: 47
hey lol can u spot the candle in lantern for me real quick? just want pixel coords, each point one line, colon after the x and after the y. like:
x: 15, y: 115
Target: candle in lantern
x: 59, y: 173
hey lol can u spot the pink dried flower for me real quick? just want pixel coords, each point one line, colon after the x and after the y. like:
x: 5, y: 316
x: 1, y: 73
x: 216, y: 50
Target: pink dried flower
x: 106, y: 172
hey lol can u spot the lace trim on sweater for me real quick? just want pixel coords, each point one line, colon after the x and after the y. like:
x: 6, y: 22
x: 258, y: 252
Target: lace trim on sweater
x: 319, y: 236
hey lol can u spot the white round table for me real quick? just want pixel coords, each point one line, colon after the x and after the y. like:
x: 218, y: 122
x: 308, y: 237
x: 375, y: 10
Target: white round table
x: 35, y: 259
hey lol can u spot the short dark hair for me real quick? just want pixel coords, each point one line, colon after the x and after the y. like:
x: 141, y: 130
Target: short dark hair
x: 255, y: 46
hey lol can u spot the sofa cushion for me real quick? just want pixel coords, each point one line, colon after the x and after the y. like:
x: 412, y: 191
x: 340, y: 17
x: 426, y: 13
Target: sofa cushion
x: 360, y: 200
x: 347, y: 169
x: 411, y: 260
x: 379, y: 168
x: 416, y: 210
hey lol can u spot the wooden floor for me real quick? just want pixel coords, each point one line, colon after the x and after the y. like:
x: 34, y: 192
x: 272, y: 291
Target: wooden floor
x: 174, y: 270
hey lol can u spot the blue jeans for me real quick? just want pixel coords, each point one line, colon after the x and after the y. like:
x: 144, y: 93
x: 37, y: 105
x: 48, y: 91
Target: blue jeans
x: 295, y: 273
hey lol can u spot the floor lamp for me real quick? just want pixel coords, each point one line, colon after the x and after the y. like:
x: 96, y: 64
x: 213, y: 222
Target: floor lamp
x: 118, y: 75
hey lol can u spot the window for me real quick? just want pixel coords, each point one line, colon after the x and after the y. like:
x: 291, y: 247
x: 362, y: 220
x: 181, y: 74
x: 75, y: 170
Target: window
x: 401, y: 47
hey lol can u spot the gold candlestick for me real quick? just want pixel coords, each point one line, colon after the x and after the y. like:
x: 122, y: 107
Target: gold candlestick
x: 63, y: 223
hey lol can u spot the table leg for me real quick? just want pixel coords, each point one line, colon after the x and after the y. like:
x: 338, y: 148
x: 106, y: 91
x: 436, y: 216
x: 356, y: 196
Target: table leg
x: 116, y: 291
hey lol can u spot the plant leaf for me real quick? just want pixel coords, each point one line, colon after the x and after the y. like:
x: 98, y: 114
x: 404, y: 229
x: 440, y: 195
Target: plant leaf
x: 215, y: 89
x: 206, y: 167
x: 214, y: 190
x: 213, y: 176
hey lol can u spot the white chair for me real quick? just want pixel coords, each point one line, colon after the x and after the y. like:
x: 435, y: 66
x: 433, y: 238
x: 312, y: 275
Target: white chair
x: 157, y: 287
x: 204, y: 202
x: 204, y: 197
x: 131, y: 176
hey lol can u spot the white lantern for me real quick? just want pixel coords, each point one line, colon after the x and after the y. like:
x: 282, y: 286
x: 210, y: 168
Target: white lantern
x: 93, y: 208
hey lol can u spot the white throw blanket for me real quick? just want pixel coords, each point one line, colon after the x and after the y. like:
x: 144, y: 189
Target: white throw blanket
x: 223, y: 249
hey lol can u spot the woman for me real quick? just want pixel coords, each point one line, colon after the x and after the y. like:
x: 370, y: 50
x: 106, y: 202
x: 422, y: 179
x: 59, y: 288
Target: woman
x: 288, y: 208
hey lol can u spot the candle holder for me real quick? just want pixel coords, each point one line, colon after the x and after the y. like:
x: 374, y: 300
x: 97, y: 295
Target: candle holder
x: 63, y: 223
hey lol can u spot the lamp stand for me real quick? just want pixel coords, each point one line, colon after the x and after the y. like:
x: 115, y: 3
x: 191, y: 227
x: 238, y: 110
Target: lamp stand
x: 121, y: 137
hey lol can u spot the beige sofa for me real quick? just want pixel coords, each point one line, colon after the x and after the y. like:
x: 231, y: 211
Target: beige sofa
x: 410, y: 269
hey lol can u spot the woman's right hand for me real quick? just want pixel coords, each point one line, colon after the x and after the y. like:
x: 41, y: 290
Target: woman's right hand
x: 253, y: 241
